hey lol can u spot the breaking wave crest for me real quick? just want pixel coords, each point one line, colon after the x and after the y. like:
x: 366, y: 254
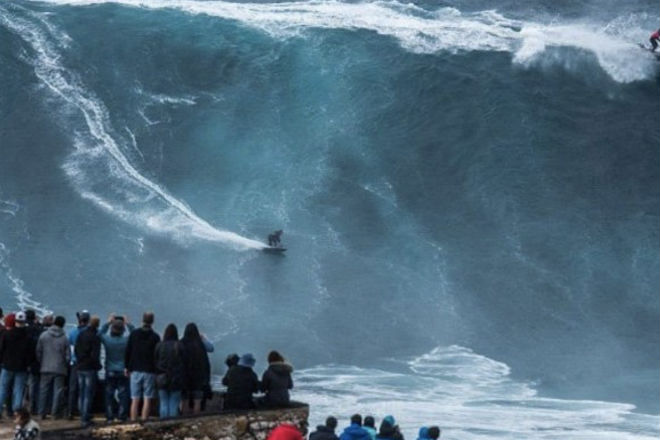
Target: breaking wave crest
x: 98, y: 167
x: 469, y: 395
x: 429, y: 31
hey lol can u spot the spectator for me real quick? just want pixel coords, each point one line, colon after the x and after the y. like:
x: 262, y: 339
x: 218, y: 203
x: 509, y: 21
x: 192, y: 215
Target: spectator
x: 88, y: 355
x: 389, y: 430
x: 54, y: 355
x: 230, y: 361
x: 325, y: 432
x: 47, y: 321
x: 34, y: 330
x: 198, y: 368
x: 355, y: 431
x: 114, y: 337
x: 10, y: 321
x: 276, y: 380
x: 26, y: 428
x: 434, y: 433
x: 241, y: 383
x: 83, y: 320
x: 141, y: 365
x: 15, y: 357
x: 369, y: 425
x: 171, y: 376
x: 423, y: 433
x: 285, y: 431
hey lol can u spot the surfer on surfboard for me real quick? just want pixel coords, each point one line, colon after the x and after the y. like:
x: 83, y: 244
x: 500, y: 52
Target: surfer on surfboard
x: 274, y: 239
x: 655, y: 37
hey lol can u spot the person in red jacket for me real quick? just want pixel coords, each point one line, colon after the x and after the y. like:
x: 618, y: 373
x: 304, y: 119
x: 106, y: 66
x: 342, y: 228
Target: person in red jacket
x: 655, y: 36
x: 285, y: 431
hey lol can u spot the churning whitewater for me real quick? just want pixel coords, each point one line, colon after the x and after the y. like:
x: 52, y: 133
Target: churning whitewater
x: 468, y: 192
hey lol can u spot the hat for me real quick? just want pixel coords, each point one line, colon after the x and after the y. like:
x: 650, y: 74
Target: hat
x: 20, y: 317
x: 83, y: 316
x: 247, y: 360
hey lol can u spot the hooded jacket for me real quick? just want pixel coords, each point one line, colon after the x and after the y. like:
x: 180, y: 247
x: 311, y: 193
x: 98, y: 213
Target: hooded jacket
x: 355, y: 432
x: 323, y: 433
x: 53, y: 351
x: 115, y: 350
x: 15, y: 353
x: 285, y: 432
x: 276, y: 383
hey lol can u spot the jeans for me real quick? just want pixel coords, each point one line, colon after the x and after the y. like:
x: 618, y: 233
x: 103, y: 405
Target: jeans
x: 73, y: 390
x: 14, y: 381
x: 51, y: 387
x: 115, y: 381
x: 169, y: 403
x: 33, y: 391
x: 86, y: 388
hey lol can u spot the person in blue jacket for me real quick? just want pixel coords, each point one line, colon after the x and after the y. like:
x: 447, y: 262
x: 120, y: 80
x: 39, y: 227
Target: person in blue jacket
x: 355, y: 431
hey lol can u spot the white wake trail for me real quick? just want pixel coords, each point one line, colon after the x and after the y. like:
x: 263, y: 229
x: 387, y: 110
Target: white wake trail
x: 98, y: 161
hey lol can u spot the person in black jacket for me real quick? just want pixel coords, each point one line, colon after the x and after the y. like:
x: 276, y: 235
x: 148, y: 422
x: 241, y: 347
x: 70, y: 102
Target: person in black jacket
x: 171, y: 372
x: 35, y: 329
x: 325, y: 432
x: 141, y: 366
x: 241, y: 384
x: 276, y: 380
x: 15, y: 358
x: 88, y: 356
x: 198, y: 368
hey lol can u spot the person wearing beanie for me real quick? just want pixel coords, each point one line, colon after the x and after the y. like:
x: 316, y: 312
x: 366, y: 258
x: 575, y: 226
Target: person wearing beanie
x: 15, y: 358
x: 434, y: 432
x: 88, y: 355
x: 276, y: 381
x: 242, y: 383
x: 369, y: 425
x: 54, y: 356
x: 325, y: 432
x: 114, y: 338
x: 355, y: 431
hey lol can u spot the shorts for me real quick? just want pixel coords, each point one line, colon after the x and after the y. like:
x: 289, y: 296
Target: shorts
x: 143, y: 385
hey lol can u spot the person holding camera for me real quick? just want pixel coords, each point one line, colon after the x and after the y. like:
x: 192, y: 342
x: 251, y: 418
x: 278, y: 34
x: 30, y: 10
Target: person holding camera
x: 114, y: 337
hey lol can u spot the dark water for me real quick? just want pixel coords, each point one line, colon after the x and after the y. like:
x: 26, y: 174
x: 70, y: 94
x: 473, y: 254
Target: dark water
x: 465, y: 173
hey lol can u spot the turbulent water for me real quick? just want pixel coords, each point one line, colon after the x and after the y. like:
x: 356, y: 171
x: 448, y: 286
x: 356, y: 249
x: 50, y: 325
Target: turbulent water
x: 469, y: 194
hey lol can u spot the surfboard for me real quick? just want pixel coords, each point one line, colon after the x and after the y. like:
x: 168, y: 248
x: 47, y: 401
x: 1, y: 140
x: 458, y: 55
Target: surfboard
x: 274, y: 250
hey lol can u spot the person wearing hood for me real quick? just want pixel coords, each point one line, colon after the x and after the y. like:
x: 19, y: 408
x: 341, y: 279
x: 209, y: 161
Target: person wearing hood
x: 434, y: 432
x: 54, y: 356
x: 423, y: 433
x: 325, y: 432
x: 15, y: 357
x: 355, y: 431
x: 276, y: 380
x: 242, y: 382
x: 389, y: 430
x: 285, y: 431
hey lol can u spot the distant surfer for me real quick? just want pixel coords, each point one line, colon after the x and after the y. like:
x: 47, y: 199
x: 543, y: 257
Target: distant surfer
x: 274, y: 239
x: 655, y: 37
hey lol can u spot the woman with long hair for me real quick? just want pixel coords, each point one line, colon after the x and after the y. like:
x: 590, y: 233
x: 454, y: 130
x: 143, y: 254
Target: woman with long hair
x: 198, y: 367
x: 171, y: 377
x: 276, y: 381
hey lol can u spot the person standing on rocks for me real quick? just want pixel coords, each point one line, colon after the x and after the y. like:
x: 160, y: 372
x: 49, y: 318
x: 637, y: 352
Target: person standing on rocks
x: 54, y: 356
x: 140, y: 364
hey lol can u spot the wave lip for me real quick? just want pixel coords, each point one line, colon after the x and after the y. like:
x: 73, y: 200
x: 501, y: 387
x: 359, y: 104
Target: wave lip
x: 429, y: 31
x: 98, y: 167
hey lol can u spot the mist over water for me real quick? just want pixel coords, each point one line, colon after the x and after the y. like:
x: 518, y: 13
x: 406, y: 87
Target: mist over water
x: 468, y: 193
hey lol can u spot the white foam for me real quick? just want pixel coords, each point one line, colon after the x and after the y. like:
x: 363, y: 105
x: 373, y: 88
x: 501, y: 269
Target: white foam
x: 23, y: 296
x: 428, y: 31
x: 98, y: 167
x: 469, y: 396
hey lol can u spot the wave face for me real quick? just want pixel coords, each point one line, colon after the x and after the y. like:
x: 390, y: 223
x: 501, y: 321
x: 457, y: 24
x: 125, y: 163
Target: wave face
x: 471, y: 173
